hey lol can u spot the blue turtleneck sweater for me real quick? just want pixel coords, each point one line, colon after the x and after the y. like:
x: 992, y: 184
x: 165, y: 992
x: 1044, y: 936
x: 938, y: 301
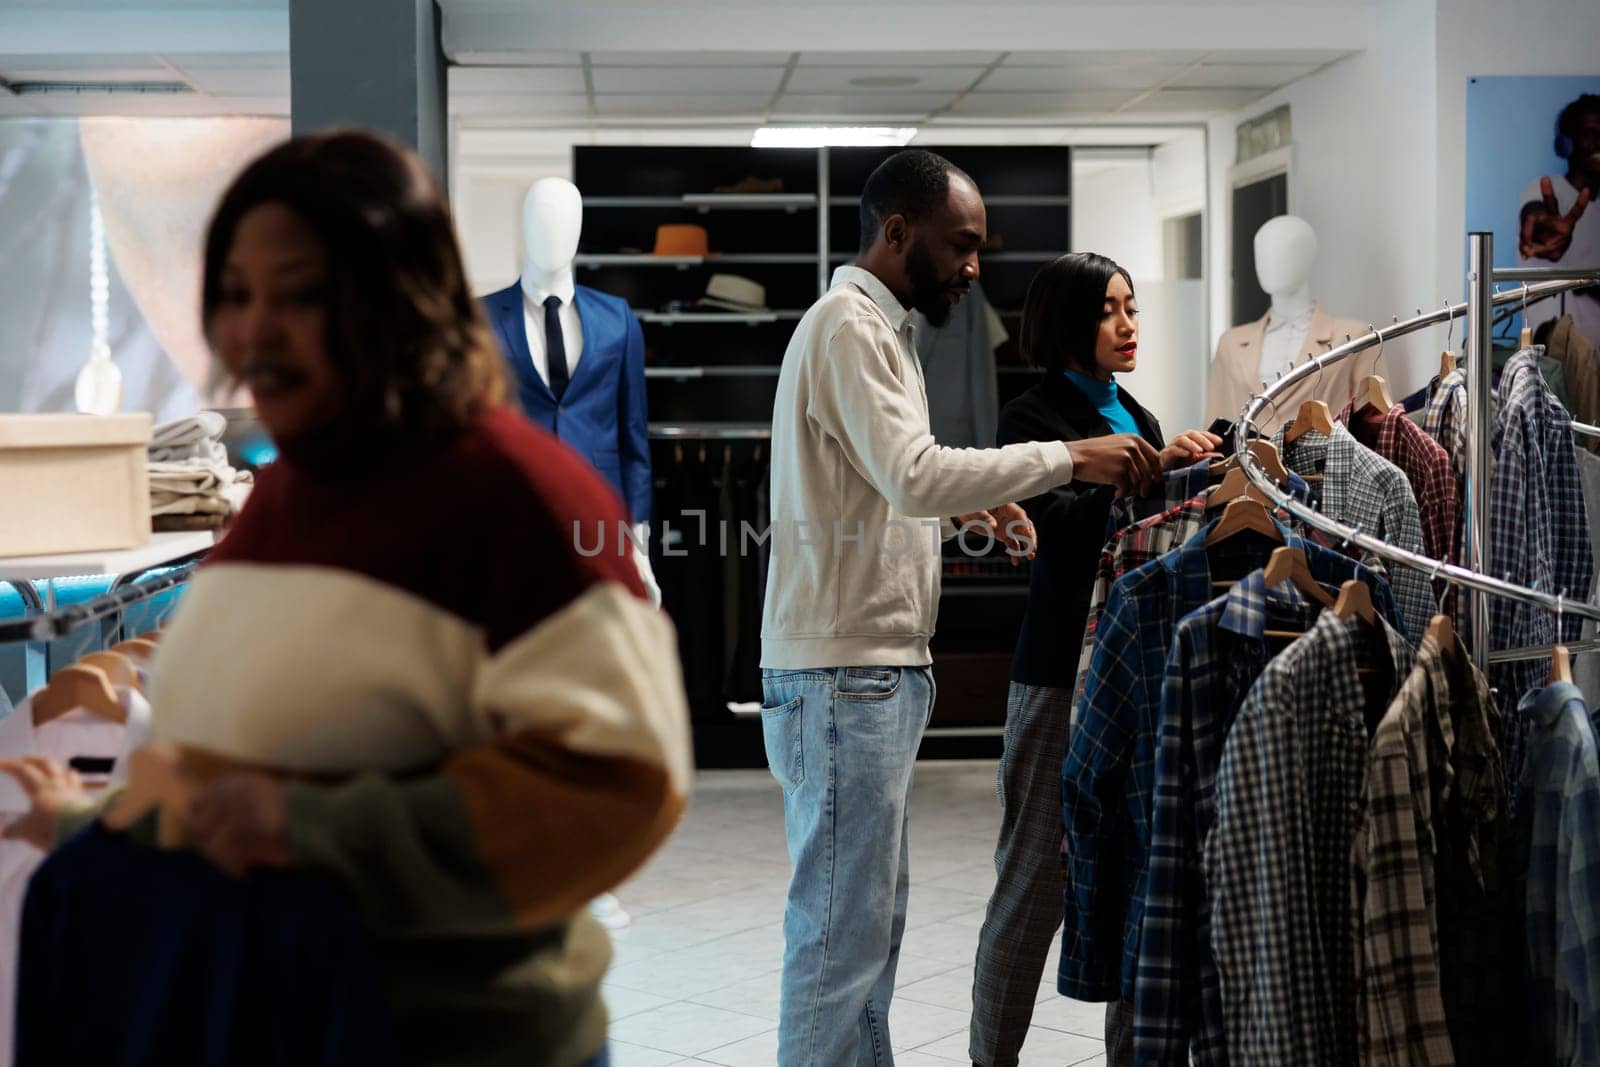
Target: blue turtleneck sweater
x: 1103, y: 395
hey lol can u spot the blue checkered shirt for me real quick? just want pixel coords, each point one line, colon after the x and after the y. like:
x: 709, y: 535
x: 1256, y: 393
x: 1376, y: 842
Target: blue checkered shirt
x: 1538, y: 531
x: 1217, y: 652
x: 1176, y: 487
x: 1361, y: 488
x: 1559, y: 820
x: 1108, y: 776
x: 1277, y: 860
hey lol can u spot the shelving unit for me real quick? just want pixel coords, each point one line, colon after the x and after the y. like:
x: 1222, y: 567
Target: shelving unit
x: 712, y: 375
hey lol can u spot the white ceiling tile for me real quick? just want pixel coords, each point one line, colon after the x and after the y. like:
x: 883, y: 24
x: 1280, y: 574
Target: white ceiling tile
x: 897, y: 59
x: 1195, y: 100
x: 857, y: 106
x: 1171, y: 57
x: 481, y: 57
x: 91, y: 74
x: 533, y: 108
x: 1241, y: 75
x: 244, y: 82
x: 659, y: 105
x: 922, y: 79
x: 227, y: 60
x: 1039, y: 105
x: 1313, y: 56
x: 1076, y: 78
x: 761, y: 81
x: 688, y: 59
x: 496, y: 81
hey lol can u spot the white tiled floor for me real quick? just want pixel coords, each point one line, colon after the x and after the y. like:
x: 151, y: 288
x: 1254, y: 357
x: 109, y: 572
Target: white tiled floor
x: 695, y: 979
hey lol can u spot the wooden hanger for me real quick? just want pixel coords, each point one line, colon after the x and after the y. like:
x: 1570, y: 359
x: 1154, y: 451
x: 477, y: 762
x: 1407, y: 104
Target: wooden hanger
x: 1373, y: 393
x: 1234, y: 485
x: 1355, y: 600
x: 74, y: 687
x: 1560, y: 665
x: 1289, y: 565
x: 1443, y: 631
x: 1266, y: 454
x: 118, y: 668
x: 137, y: 648
x: 1447, y: 363
x: 1560, y: 659
x: 1313, y: 415
x: 1245, y: 513
x: 1525, y: 339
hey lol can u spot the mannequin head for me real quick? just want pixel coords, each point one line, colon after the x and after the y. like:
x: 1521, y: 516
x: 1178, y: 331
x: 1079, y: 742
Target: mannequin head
x: 552, y: 219
x: 1285, y: 248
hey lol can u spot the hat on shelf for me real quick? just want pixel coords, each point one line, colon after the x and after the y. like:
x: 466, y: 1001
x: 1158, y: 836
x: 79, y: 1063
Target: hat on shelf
x: 678, y: 239
x: 730, y: 292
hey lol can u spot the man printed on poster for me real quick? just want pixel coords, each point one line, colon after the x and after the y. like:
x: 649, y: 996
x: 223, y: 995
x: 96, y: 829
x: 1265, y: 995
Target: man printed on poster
x: 1557, y: 227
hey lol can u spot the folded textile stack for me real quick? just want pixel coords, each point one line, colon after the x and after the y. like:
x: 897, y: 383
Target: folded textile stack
x: 192, y: 485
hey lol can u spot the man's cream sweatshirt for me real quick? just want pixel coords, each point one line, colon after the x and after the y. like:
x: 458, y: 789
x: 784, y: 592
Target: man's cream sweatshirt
x: 861, y: 494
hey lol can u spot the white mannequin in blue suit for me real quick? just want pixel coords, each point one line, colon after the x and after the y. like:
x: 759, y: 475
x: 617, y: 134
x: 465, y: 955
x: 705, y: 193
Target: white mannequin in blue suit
x: 552, y: 219
x: 601, y: 411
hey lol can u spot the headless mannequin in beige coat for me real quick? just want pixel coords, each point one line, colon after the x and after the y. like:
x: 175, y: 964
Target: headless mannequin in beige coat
x: 1285, y: 248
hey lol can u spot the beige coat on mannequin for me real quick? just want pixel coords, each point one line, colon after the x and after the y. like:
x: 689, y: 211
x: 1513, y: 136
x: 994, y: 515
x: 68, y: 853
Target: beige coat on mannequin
x: 1234, y: 370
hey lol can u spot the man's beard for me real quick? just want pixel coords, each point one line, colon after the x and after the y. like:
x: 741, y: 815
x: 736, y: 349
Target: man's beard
x: 928, y: 290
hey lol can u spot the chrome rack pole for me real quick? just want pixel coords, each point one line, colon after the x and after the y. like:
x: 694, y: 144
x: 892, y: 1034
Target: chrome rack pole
x: 1480, y: 377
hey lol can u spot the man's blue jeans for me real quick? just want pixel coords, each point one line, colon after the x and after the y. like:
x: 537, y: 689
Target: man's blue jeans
x: 842, y: 742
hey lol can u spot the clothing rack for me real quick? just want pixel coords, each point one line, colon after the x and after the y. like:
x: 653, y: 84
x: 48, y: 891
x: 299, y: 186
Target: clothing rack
x: 63, y: 621
x: 37, y: 630
x: 1477, y: 309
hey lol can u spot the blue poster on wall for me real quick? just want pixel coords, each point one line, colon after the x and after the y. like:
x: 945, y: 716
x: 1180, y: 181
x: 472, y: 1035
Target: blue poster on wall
x: 1533, y: 166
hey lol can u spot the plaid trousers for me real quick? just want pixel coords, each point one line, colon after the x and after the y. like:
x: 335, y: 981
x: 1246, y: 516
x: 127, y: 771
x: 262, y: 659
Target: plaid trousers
x: 1025, y: 908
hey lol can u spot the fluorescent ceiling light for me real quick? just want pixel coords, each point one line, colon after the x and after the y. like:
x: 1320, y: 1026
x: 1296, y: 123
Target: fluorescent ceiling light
x: 832, y: 136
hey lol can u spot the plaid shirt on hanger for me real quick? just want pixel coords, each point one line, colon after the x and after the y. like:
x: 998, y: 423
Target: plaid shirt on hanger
x: 1446, y: 418
x: 1426, y: 902
x: 1361, y: 488
x: 1427, y: 466
x: 1133, y: 546
x: 1560, y: 823
x: 1108, y: 775
x: 1217, y: 654
x: 1538, y: 531
x: 1176, y: 487
x: 1278, y: 859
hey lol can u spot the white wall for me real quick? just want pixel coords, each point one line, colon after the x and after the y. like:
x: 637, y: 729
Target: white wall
x: 1170, y: 379
x: 1178, y: 175
x: 1114, y: 212
x: 1365, y: 175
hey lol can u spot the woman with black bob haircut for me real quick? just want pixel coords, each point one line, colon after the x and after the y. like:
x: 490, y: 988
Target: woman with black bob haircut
x: 396, y: 676
x: 1080, y: 326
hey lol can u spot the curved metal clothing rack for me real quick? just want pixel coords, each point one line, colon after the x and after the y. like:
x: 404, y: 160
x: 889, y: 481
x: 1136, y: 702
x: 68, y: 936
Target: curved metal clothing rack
x: 1478, y: 309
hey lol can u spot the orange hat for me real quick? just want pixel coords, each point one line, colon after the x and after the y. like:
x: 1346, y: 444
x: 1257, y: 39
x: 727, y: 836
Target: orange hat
x: 682, y: 240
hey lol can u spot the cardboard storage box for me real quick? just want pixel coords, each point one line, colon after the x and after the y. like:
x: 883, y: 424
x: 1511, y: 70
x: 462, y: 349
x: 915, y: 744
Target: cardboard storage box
x: 73, y: 483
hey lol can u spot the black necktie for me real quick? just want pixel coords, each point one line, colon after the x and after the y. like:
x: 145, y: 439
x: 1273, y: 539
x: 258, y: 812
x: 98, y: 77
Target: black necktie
x: 554, y: 346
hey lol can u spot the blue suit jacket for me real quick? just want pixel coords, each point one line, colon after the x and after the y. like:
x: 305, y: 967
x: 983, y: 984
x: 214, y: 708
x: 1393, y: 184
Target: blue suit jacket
x: 602, y: 412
